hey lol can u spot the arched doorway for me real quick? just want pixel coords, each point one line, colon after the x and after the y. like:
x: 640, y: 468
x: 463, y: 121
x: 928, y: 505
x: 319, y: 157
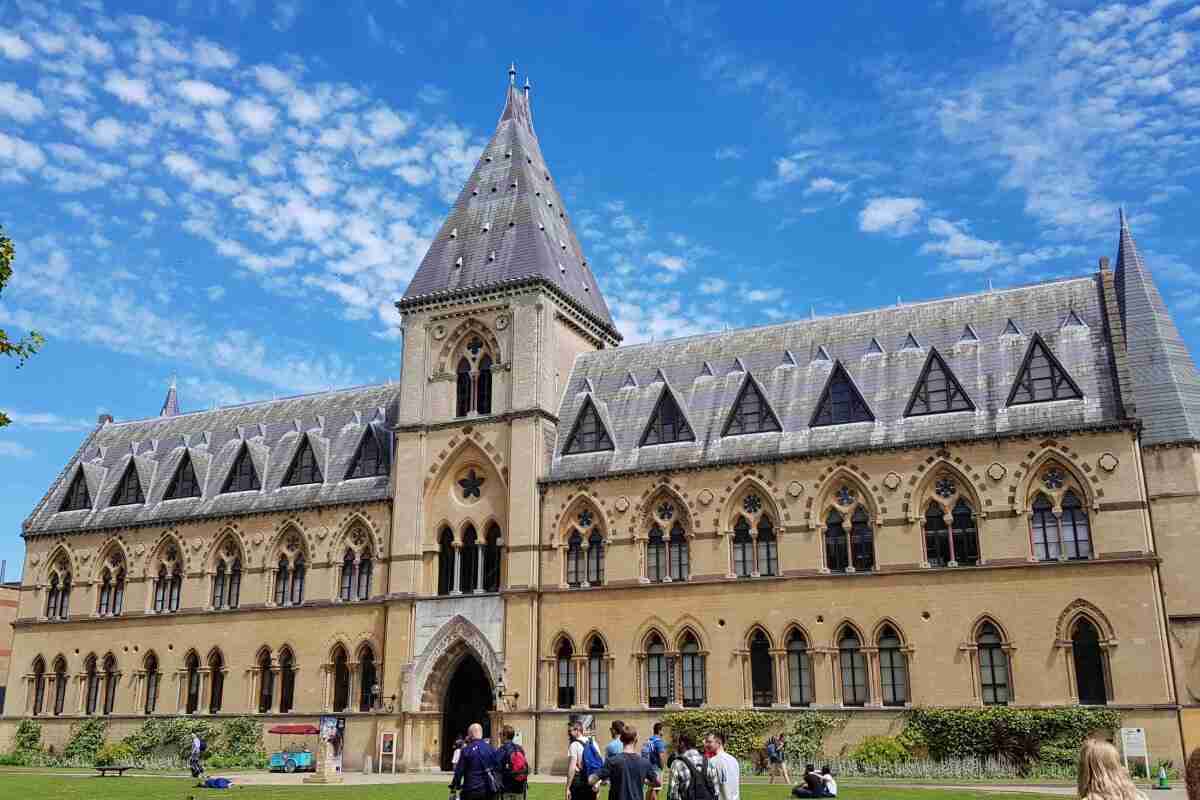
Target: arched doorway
x: 468, y: 699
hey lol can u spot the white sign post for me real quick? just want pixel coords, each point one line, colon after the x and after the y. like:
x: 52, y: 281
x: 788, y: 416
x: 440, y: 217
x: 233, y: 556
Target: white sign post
x: 1133, y: 745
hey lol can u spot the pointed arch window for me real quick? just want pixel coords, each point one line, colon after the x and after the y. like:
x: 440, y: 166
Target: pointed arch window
x: 243, y: 477
x: 371, y: 459
x: 853, y: 670
x: 219, y: 585
x: 58, y: 597
x: 667, y: 422
x: 656, y: 555
x: 893, y: 668
x: 597, y: 674
x: 575, y: 565
x: 965, y: 539
x: 129, y: 490
x: 39, y: 685
x: 841, y: 402
x: 937, y: 390
x: 266, y: 682
x: 174, y: 589
x: 470, y: 560
x: 52, y: 594
x: 800, y: 672
x: 693, y: 668
x: 304, y: 468
x: 743, y: 549
x: 365, y: 567
x: 153, y: 678
x: 287, y: 681
x: 762, y: 671
x: 595, y: 559
x: 298, y: 574
x: 446, y: 562
x: 168, y: 586
x: 491, y: 559
x: 60, y: 685
x: 216, y: 679
x: 192, y: 665
x: 233, y: 592
x: 1089, y: 663
x: 767, y: 551
x: 589, y: 434
x: 483, y: 386
x: 183, y: 483
x: 678, y: 554
x: 110, y: 684
x: 658, y: 683
x: 112, y: 590
x: 347, y: 588
x: 564, y: 667
x: 463, y: 388
x: 281, y: 581
x: 993, y: 666
x: 77, y: 496
x: 1042, y: 378
x: 367, y: 687
x: 1065, y: 536
x: 751, y: 413
x: 341, y: 681
x: 849, y: 552
x: 1076, y: 534
x: 91, y: 685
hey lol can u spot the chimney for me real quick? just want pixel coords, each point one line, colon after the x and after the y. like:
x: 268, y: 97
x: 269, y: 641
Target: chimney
x: 1104, y: 263
x: 103, y: 418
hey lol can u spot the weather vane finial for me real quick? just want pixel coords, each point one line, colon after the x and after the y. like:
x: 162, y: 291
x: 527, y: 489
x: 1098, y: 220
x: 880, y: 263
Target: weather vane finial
x: 512, y: 74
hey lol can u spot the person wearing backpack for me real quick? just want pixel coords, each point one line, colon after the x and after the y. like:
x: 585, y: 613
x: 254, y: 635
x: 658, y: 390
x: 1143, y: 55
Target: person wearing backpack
x: 583, y: 761
x: 198, y: 747
x: 653, y: 751
x: 514, y: 766
x: 626, y: 772
x: 693, y: 777
x: 475, y: 772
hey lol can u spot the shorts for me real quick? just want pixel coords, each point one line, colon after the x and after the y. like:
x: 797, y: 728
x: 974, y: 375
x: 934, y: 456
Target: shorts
x: 582, y: 791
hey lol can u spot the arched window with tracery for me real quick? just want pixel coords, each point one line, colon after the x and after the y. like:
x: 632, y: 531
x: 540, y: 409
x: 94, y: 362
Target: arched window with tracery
x: 483, y: 393
x: 60, y: 685
x: 1059, y: 524
x: 365, y: 568
x: 656, y: 555
x: 290, y: 571
x: 473, y: 378
x: 192, y: 665
x: 762, y: 671
x: 216, y: 680
x: 951, y: 538
x: 153, y: 679
x: 743, y: 549
x: 658, y: 682
x: 58, y: 595
x: 168, y: 582
x: 282, y: 579
x: 469, y: 573
x: 583, y: 553
x: 800, y: 671
x: 287, y: 681
x: 491, y: 559
x: 111, y: 677
x: 112, y: 587
x: 445, y: 562
x: 755, y: 550
x: 1089, y: 663
x: 266, y: 681
x: 849, y: 536
x: 91, y: 684
x: 893, y: 667
x: 678, y: 554
x: 993, y: 666
x: 597, y: 673
x: 564, y: 669
x: 695, y: 682
x: 667, y: 555
x: 227, y: 576
x: 575, y: 566
x: 367, y: 684
x: 462, y: 384
x: 595, y: 559
x: 341, y: 680
x: 356, y: 568
x: 347, y: 589
x: 39, y: 685
x: 853, y: 669
x: 298, y: 575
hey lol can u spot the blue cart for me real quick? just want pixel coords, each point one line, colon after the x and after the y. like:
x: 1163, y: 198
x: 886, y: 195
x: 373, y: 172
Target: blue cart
x: 296, y: 756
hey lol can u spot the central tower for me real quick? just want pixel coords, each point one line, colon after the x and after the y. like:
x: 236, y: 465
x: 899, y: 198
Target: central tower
x: 500, y: 306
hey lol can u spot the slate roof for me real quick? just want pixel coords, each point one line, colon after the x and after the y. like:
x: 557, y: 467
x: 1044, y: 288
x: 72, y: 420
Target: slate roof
x: 1166, y: 388
x: 510, y: 225
x: 335, y: 423
x: 792, y: 362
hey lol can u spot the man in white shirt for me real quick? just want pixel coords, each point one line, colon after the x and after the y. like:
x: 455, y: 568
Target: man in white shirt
x: 729, y: 771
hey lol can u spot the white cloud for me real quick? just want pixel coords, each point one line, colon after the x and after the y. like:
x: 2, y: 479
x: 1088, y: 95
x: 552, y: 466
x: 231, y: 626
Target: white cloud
x: 668, y: 262
x: 18, y: 104
x: 286, y: 12
x: 380, y: 36
x: 14, y: 450
x: 209, y: 55
x: 713, y: 286
x: 258, y: 117
x: 729, y: 153
x: 761, y: 295
x: 129, y: 90
x: 895, y: 216
x: 108, y: 133
x: 273, y: 79
x: 788, y: 170
x: 826, y: 186
x: 202, y: 93
x: 49, y: 42
x: 47, y: 421
x: 385, y: 124
x: 20, y: 153
x: 14, y: 47
x: 215, y: 293
x: 432, y: 95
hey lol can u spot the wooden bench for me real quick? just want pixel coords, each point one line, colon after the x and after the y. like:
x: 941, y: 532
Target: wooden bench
x: 104, y: 771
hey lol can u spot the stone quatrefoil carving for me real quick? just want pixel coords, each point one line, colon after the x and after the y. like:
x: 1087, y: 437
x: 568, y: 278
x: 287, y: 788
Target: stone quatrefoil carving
x: 471, y: 484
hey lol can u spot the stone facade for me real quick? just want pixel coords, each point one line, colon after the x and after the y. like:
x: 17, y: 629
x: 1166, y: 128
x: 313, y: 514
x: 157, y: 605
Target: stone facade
x: 497, y: 575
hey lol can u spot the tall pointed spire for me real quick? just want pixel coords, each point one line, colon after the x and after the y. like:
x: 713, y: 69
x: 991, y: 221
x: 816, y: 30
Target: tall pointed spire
x: 170, y: 407
x: 1166, y: 387
x: 509, y: 227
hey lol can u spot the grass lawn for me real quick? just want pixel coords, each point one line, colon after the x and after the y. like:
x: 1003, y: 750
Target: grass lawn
x: 21, y: 785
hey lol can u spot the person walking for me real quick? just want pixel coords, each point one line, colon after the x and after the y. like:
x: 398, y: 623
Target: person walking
x: 653, y: 751
x: 693, y: 777
x: 729, y: 772
x: 476, y: 760
x: 773, y: 760
x: 194, y: 757
x: 781, y: 747
x: 580, y: 751
x: 513, y: 766
x: 614, y: 746
x: 1101, y: 775
x: 626, y: 772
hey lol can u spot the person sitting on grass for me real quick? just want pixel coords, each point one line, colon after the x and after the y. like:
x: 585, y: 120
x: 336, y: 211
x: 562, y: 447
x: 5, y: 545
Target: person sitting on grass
x: 813, y: 785
x: 829, y: 785
x: 1101, y: 776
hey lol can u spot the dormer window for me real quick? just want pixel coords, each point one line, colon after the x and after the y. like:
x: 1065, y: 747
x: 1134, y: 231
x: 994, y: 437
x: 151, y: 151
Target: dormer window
x: 473, y: 379
x: 77, y: 496
x: 371, y: 459
x: 667, y: 423
x: 304, y: 469
x: 129, y: 490
x: 1042, y: 377
x: 841, y: 401
x: 242, y: 477
x: 184, y: 484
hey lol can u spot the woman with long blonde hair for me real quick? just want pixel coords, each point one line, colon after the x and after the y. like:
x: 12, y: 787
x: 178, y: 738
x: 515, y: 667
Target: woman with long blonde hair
x: 1101, y: 775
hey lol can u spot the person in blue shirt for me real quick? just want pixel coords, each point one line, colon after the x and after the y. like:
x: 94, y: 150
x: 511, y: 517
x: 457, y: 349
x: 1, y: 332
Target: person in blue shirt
x: 470, y: 778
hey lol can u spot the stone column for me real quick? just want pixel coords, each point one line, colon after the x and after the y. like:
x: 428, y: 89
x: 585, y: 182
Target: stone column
x: 781, y: 677
x: 583, y: 554
x: 327, y: 699
x: 352, y: 688
x: 728, y: 539
x: 202, y: 703
x: 272, y: 575
x: 754, y: 565
x: 479, y: 567
x: 580, y: 681
x: 874, y: 677
x: 456, y: 588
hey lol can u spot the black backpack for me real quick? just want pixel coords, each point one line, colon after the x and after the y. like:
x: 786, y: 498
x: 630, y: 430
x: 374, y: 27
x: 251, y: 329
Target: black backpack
x: 699, y: 787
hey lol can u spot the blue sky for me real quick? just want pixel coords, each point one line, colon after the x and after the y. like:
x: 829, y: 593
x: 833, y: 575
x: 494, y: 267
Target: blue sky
x: 236, y: 191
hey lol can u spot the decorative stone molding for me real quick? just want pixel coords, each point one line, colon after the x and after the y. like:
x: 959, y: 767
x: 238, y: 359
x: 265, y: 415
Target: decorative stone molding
x: 891, y: 481
x: 1108, y: 462
x: 996, y: 471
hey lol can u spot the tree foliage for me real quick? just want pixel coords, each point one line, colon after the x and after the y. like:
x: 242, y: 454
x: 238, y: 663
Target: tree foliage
x: 20, y: 349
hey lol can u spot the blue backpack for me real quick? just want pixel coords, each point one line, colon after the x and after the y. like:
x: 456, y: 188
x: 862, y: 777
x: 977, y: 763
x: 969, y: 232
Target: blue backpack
x: 592, y: 760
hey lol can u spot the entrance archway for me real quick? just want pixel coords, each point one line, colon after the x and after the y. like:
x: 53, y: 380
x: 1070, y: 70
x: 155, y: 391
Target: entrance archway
x: 468, y: 699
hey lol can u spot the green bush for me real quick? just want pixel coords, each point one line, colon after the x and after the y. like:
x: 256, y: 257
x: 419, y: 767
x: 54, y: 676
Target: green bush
x: 86, y: 739
x: 28, y: 737
x: 171, y: 736
x: 806, y: 736
x: 879, y: 751
x: 116, y: 754
x: 241, y: 744
x: 742, y: 729
x: 1192, y: 773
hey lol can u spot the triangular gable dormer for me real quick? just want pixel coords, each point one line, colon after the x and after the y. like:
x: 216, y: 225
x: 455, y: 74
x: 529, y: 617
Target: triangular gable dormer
x: 589, y: 434
x: 822, y: 354
x: 370, y: 459
x: 585, y: 385
x: 968, y: 334
x: 874, y: 348
x: 659, y: 377
x: 706, y: 371
x: 243, y: 477
x: 1041, y: 377
x: 304, y: 468
x: 937, y: 390
x: 667, y: 424
x: 1073, y: 321
x: 840, y: 402
x: 129, y: 489
x: 77, y: 496
x: 630, y: 382
x: 184, y: 483
x: 911, y: 343
x: 751, y: 413
x: 789, y: 360
x: 1011, y: 329
x: 737, y: 367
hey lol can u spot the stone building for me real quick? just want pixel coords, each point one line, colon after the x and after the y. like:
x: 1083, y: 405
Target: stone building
x: 981, y: 500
